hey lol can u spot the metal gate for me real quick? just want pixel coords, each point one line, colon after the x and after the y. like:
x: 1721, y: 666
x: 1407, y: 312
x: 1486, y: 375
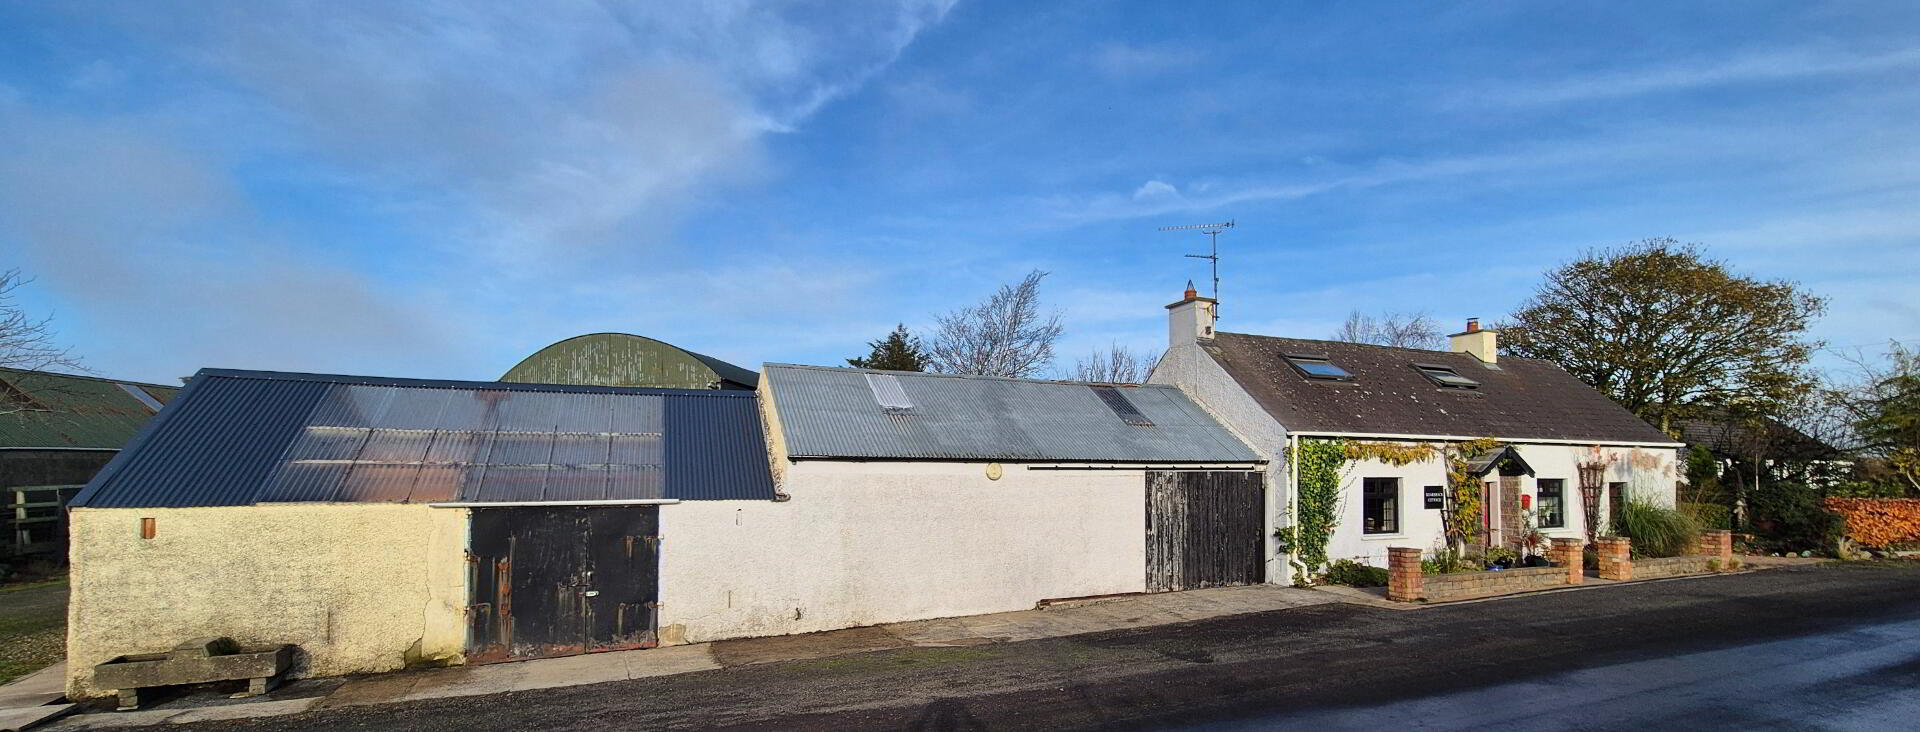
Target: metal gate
x: 1204, y: 529
x: 558, y: 581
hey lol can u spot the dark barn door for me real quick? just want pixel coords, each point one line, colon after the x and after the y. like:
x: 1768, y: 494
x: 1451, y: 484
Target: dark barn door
x: 561, y: 580
x: 1204, y: 529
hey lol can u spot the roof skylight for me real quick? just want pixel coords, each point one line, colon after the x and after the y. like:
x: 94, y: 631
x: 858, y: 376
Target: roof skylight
x: 1445, y: 376
x: 1317, y: 367
x: 889, y: 394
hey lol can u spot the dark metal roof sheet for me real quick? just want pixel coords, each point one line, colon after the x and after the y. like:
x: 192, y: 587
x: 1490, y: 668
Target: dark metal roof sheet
x: 833, y: 413
x: 235, y: 438
x: 41, y: 409
x: 1521, y: 399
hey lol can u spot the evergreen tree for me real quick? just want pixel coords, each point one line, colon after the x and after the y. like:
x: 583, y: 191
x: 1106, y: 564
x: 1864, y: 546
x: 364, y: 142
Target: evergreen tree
x: 899, y: 351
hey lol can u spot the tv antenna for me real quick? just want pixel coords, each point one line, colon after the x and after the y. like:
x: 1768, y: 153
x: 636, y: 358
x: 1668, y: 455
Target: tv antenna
x: 1212, y: 256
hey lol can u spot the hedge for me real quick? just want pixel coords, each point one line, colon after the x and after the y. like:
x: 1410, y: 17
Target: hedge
x: 1879, y: 522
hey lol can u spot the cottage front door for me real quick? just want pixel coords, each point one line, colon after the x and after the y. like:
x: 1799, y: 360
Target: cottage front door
x: 561, y: 580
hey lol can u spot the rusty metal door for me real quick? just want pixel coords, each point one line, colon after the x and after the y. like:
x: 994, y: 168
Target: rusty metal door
x: 1204, y: 529
x: 558, y: 581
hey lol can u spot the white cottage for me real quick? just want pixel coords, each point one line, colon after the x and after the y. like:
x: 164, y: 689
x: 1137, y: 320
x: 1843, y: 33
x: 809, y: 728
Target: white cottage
x: 1565, y: 456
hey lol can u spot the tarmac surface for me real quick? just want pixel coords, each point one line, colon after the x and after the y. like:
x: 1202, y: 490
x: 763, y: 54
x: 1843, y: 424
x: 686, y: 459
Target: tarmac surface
x: 1823, y: 647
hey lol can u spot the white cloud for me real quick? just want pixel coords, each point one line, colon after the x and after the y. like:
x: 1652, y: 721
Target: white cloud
x: 1156, y: 191
x: 521, y: 144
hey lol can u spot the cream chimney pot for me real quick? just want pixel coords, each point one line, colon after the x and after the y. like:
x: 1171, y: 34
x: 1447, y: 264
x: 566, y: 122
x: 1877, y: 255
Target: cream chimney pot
x: 1481, y: 344
x: 1191, y: 319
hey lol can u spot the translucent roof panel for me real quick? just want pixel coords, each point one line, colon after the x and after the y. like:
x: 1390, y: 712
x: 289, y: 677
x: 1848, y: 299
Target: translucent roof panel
x: 402, y: 444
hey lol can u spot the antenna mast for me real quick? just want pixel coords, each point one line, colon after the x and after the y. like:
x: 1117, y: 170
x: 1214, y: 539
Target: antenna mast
x: 1213, y: 256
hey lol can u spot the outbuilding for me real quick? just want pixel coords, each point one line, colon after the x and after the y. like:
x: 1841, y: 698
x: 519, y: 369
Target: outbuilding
x: 379, y: 523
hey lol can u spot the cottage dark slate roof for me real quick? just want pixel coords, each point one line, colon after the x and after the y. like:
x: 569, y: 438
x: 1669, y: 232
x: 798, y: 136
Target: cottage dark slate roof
x: 238, y: 438
x: 1522, y: 399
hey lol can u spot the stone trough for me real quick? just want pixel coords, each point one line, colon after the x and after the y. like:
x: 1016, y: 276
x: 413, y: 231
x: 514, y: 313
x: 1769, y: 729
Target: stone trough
x: 198, y: 661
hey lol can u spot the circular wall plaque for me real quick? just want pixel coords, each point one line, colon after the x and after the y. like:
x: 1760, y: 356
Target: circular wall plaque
x: 993, y: 471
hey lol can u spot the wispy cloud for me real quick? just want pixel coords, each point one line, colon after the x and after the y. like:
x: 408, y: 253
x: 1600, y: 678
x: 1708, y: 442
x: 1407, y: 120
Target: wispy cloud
x: 1124, y: 61
x: 1768, y: 66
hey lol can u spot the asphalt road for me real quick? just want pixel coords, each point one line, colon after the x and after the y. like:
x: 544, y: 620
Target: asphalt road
x: 1833, y: 647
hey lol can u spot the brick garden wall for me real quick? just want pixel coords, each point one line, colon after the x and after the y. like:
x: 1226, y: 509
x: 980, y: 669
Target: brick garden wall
x: 1464, y: 585
x: 1644, y: 568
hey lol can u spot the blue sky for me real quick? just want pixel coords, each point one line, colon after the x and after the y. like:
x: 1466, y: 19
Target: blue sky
x: 438, y: 189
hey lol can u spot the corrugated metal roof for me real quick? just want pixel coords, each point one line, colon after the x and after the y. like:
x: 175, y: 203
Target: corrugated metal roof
x: 833, y: 413
x: 39, y: 409
x: 235, y: 438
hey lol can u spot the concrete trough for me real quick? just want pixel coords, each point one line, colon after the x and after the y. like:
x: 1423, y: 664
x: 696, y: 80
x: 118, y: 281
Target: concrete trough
x: 198, y: 661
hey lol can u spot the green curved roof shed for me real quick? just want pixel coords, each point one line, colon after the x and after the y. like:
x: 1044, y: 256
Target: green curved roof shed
x: 624, y: 359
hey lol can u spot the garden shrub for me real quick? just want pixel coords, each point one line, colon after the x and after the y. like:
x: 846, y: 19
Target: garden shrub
x: 1657, y: 531
x: 1354, y: 574
x: 1709, y: 515
x: 1788, y: 517
x: 1882, y: 523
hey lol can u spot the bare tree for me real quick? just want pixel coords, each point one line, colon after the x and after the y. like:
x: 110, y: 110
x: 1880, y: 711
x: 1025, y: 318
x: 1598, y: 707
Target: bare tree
x: 1404, y: 330
x: 27, y: 342
x: 1003, y: 336
x: 1116, y: 365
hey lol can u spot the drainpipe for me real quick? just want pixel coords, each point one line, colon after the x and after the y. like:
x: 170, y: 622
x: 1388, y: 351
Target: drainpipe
x: 1293, y: 506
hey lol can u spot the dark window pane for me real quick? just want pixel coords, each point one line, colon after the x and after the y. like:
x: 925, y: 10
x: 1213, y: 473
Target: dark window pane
x: 1380, y: 505
x: 1553, y: 501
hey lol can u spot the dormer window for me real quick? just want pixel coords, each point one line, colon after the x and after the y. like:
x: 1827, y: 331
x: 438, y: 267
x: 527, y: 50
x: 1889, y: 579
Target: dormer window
x: 1445, y: 376
x: 1316, y: 366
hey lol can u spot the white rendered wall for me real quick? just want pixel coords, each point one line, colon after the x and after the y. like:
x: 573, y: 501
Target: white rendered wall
x: 878, y: 542
x: 1650, y: 474
x: 1186, y: 366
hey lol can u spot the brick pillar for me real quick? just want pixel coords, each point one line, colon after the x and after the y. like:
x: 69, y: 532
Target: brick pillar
x: 1404, y: 578
x: 1566, y: 553
x: 1616, y: 557
x: 1718, y: 543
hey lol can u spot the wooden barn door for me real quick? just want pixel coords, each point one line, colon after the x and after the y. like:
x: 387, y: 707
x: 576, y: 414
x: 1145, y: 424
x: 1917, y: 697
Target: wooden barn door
x: 1204, y: 529
x: 558, y: 581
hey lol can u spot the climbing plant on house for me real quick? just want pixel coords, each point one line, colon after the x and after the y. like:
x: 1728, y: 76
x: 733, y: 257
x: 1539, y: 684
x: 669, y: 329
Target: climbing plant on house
x: 1323, y: 465
x: 1464, y: 524
x: 1318, y: 499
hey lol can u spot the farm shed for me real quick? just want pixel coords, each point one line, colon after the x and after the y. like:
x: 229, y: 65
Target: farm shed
x: 621, y: 359
x: 56, y: 431
x: 916, y: 496
x: 379, y: 523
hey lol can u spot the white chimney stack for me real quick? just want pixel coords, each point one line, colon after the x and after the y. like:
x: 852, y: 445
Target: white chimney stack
x: 1480, y: 344
x: 1191, y: 319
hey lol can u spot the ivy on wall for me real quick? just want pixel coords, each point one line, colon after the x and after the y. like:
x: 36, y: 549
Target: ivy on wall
x: 1322, y: 468
x: 1466, y: 490
x: 1318, y: 499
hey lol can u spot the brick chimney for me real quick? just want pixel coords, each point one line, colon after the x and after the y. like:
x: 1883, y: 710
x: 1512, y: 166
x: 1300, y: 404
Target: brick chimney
x: 1191, y: 319
x: 1479, y: 343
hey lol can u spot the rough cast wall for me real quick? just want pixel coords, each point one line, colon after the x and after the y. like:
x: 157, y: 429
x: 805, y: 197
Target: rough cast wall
x: 1649, y: 473
x: 359, y: 587
x: 867, y: 543
x: 1196, y: 373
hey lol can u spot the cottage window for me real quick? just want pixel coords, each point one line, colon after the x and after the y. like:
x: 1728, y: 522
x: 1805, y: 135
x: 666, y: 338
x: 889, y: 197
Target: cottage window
x: 1616, y: 500
x: 1315, y: 366
x: 1380, y: 506
x: 1445, y: 376
x: 1553, y: 503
